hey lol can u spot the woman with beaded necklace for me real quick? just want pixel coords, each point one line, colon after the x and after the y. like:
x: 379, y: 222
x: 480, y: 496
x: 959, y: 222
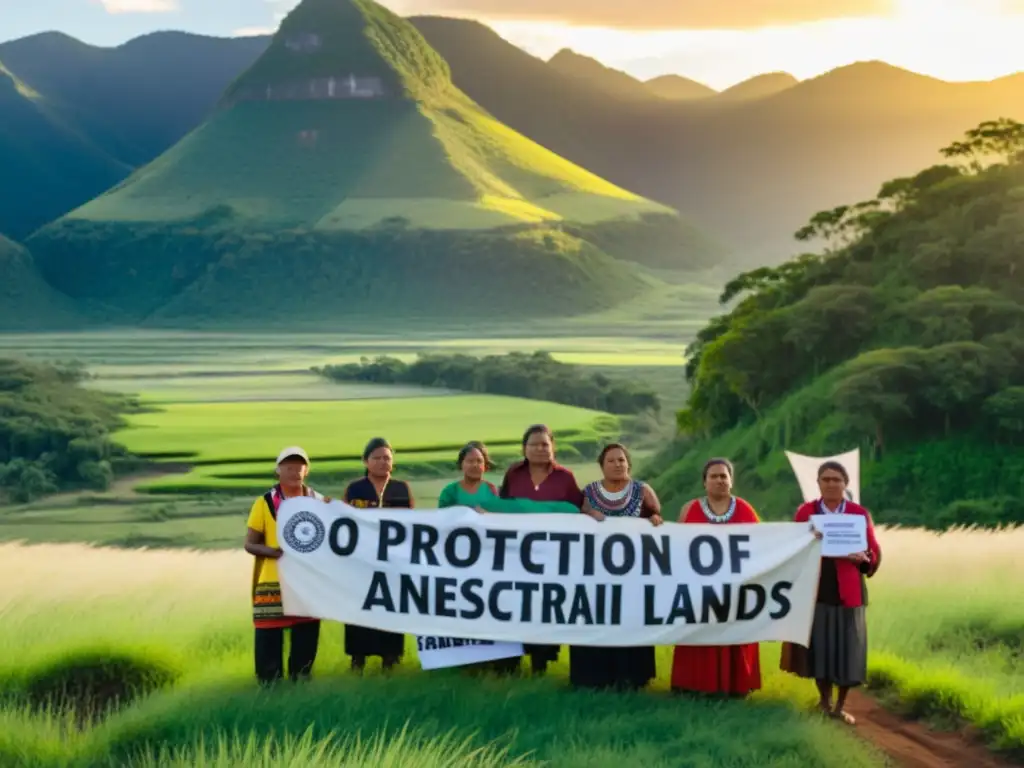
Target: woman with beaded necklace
x: 733, y: 670
x: 615, y: 495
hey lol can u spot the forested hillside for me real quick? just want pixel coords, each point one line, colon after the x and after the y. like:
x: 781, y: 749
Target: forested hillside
x: 903, y: 334
x: 54, y: 433
x: 27, y: 301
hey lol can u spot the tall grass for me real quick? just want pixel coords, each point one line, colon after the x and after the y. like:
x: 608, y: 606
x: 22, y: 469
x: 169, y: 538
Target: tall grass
x: 945, y: 623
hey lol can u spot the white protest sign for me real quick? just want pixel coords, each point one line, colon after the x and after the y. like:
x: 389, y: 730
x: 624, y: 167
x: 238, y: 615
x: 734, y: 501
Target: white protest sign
x: 548, y: 578
x: 437, y: 652
x: 806, y: 470
x: 842, y: 535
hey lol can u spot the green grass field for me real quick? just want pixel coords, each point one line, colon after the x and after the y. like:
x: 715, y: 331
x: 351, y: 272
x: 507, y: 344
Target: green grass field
x: 212, y: 432
x: 935, y: 602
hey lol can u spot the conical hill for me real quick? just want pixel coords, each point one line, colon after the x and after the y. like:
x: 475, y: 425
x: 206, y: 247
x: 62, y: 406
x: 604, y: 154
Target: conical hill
x: 346, y: 158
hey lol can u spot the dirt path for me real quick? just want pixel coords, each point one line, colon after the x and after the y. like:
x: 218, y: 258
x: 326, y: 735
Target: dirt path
x: 912, y: 745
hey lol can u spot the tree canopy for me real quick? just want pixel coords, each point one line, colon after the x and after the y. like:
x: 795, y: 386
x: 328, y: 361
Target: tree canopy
x: 906, y: 328
x: 537, y: 376
x: 54, y: 433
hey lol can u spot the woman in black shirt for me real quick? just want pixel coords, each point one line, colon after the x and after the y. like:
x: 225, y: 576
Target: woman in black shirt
x: 377, y: 489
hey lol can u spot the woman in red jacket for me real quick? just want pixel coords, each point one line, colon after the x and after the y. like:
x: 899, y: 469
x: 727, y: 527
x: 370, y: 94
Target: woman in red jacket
x: 838, y: 654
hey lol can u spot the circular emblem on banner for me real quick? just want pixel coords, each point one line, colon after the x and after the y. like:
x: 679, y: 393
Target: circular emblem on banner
x: 304, y: 532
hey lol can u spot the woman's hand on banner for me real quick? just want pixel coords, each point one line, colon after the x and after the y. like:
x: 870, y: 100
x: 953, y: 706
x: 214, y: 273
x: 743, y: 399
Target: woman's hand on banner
x: 858, y: 557
x: 656, y: 519
x: 817, y: 534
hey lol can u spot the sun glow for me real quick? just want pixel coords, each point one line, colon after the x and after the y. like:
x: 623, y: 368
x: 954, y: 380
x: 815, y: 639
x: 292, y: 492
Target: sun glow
x: 948, y: 39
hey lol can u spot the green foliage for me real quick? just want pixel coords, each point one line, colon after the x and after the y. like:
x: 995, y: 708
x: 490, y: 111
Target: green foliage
x: 220, y: 278
x: 27, y: 302
x: 536, y: 376
x: 905, y: 337
x: 383, y: 750
x: 54, y: 434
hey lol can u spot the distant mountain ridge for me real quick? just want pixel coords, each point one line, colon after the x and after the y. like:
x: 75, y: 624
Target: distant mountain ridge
x: 679, y: 88
x: 750, y: 164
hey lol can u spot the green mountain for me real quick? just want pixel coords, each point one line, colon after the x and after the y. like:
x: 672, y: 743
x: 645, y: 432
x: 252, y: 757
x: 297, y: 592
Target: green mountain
x: 747, y: 166
x: 747, y: 171
x: 678, y: 88
x: 903, y: 335
x: 345, y: 152
x: 27, y: 303
x: 46, y: 166
x: 135, y: 100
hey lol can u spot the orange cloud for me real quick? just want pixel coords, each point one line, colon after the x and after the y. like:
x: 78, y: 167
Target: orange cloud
x: 656, y: 14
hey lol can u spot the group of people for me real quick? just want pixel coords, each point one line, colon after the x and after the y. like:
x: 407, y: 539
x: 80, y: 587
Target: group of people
x: 836, y: 657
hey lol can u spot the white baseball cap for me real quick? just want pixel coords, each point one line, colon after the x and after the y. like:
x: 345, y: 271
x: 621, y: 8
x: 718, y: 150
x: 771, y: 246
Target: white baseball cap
x: 293, y: 450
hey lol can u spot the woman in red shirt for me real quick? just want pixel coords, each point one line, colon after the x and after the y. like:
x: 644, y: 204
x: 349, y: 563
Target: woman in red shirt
x: 539, y: 477
x: 838, y: 655
x: 734, y: 670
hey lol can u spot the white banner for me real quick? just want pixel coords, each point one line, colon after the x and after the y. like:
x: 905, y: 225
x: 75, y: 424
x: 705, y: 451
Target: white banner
x: 806, y: 470
x: 437, y: 652
x: 548, y: 578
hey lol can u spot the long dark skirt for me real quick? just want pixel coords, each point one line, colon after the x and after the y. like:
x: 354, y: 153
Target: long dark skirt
x: 542, y: 653
x: 365, y: 641
x: 629, y: 668
x: 839, y: 647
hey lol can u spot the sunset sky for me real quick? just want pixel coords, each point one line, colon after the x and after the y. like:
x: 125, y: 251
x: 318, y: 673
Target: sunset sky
x: 718, y: 42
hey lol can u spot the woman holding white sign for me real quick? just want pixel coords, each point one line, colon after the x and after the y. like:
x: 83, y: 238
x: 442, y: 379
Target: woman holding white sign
x: 616, y: 495
x: 734, y: 670
x: 377, y: 489
x: 838, y: 655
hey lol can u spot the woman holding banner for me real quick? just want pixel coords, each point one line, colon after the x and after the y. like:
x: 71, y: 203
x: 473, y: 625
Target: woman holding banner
x: 480, y: 494
x: 269, y: 618
x: 476, y: 492
x: 539, y: 477
x: 838, y: 654
x: 616, y: 495
x: 733, y: 670
x: 376, y: 489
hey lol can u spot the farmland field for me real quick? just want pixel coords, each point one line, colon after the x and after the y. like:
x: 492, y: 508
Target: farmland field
x: 258, y: 430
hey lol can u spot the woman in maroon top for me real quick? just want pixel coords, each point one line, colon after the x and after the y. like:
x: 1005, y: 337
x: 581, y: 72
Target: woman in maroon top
x: 539, y: 477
